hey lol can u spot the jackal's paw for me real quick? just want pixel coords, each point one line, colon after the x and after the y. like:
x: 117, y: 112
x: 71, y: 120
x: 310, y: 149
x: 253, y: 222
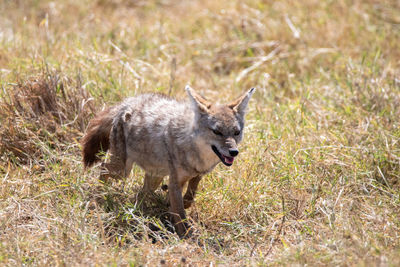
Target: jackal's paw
x: 106, y: 175
x: 109, y: 170
x: 184, y: 230
x: 164, y: 187
x: 187, y: 202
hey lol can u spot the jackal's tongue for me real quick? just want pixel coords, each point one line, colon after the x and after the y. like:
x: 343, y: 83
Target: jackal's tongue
x: 228, y: 160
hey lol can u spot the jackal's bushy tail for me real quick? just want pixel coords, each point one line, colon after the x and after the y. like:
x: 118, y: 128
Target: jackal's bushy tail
x: 97, y: 137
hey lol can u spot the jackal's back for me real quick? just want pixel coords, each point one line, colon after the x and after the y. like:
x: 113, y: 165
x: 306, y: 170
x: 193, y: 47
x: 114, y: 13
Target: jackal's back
x: 151, y: 120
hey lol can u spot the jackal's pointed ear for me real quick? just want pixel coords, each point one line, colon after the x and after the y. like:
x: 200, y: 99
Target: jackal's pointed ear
x: 240, y: 104
x: 197, y: 100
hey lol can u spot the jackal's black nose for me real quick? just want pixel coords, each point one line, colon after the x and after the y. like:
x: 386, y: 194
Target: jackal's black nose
x: 233, y: 152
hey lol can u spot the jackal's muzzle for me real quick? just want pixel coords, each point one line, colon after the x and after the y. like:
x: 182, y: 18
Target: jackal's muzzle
x: 227, y: 160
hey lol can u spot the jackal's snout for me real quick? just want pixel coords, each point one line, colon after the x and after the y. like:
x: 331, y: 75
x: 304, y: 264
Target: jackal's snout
x: 226, y: 150
x: 230, y: 147
x: 233, y: 152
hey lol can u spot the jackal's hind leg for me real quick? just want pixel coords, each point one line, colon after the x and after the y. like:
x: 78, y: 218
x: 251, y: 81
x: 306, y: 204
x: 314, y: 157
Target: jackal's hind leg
x: 151, y: 182
x: 116, y: 166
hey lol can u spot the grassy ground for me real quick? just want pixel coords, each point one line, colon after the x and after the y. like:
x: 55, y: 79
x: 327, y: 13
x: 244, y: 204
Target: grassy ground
x: 316, y: 183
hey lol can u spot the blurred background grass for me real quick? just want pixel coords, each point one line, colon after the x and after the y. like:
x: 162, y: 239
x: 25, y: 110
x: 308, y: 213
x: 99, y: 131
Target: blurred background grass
x: 317, y: 181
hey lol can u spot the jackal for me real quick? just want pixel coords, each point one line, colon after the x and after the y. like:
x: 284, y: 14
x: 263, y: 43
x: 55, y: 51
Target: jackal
x: 167, y: 137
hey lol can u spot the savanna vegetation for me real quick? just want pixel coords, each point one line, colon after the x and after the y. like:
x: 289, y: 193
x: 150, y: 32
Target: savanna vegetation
x: 318, y: 178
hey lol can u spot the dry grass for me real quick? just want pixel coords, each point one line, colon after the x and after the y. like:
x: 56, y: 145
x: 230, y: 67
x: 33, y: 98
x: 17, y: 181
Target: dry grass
x: 318, y: 178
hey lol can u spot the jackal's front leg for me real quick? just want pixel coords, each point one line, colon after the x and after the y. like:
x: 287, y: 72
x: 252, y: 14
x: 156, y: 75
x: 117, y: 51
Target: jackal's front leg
x: 176, y: 207
x: 188, y: 199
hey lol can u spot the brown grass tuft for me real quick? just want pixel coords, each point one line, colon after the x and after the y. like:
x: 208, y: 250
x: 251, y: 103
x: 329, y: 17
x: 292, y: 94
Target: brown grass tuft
x: 41, y: 111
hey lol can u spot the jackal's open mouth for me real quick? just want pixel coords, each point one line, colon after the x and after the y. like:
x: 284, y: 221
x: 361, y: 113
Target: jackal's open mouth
x: 228, y: 161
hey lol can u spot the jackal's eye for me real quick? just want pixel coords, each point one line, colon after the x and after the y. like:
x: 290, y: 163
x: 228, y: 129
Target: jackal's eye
x: 236, y: 133
x: 216, y: 132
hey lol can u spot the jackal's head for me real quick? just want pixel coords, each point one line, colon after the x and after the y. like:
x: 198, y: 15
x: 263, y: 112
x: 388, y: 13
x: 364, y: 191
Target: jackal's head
x: 220, y: 126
